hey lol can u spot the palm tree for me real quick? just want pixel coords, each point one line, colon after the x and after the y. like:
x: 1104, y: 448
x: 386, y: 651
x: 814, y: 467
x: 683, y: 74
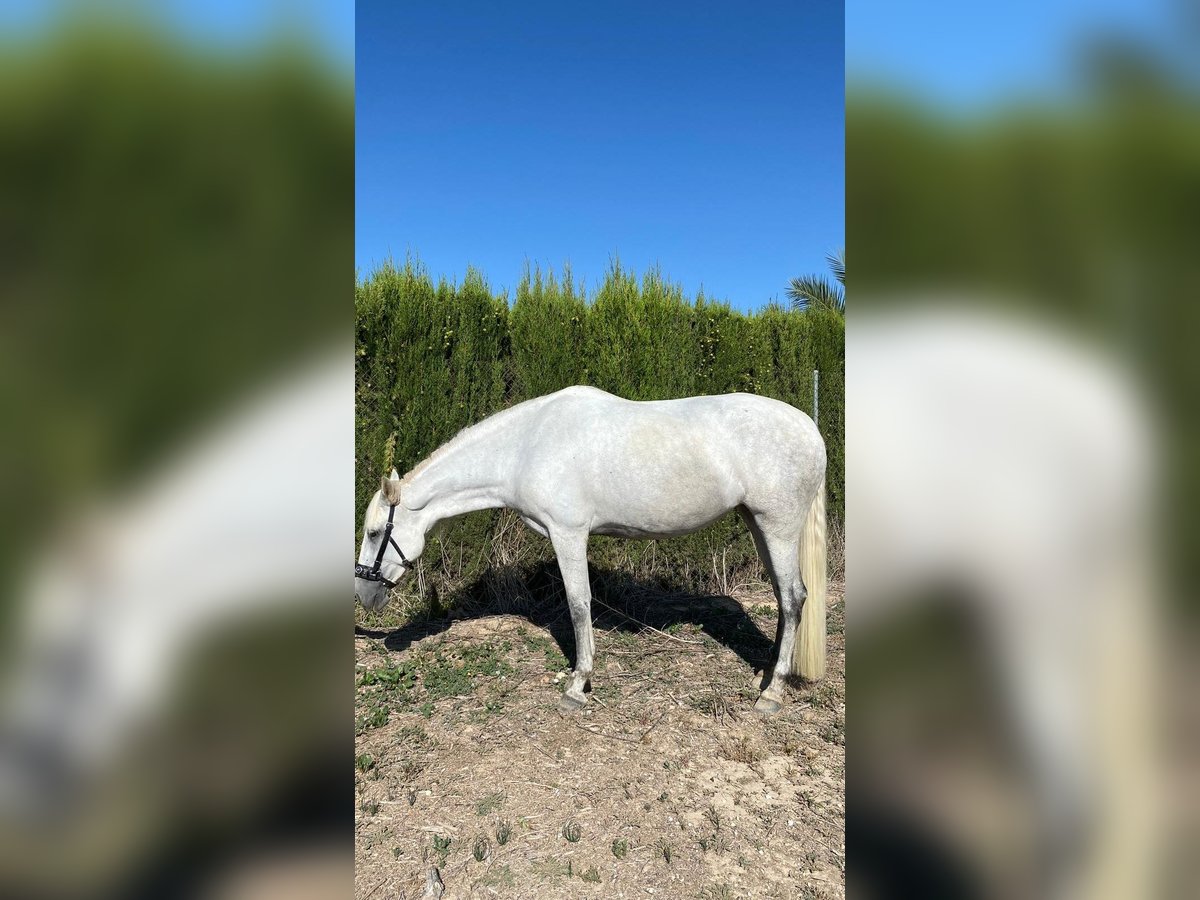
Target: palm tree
x: 817, y: 291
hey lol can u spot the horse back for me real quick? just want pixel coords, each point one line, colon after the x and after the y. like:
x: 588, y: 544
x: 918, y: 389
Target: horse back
x: 664, y: 467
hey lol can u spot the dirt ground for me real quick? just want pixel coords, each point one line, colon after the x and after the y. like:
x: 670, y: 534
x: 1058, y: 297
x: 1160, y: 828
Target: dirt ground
x: 666, y: 784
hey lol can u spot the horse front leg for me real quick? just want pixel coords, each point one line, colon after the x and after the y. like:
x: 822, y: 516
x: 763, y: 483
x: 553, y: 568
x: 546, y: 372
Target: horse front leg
x: 571, y: 550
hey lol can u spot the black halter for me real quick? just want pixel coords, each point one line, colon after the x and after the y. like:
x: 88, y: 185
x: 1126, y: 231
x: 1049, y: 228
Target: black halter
x: 373, y: 573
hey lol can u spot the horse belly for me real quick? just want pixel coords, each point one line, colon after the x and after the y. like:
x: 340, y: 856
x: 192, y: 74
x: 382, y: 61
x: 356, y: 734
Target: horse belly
x: 664, y: 496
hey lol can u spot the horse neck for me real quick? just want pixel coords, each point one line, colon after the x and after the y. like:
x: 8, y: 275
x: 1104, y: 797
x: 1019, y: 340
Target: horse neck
x: 469, y: 474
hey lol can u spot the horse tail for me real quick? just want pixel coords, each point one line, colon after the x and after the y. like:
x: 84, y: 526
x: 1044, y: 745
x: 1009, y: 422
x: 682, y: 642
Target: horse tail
x: 808, y: 660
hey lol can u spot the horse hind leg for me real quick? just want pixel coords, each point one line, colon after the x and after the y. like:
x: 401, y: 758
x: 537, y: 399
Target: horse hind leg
x: 783, y: 560
x: 760, y: 544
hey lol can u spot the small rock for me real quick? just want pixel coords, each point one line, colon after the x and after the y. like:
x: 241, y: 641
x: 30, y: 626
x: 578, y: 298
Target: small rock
x: 433, y: 884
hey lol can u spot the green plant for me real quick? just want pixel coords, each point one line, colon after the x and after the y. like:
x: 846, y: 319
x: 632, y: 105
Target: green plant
x: 364, y: 762
x: 818, y: 292
x: 503, y: 833
x: 572, y: 831
x: 376, y: 718
x: 620, y: 847
x: 480, y: 849
x: 489, y: 804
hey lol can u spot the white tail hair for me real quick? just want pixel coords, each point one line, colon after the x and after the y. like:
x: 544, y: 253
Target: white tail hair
x: 808, y: 660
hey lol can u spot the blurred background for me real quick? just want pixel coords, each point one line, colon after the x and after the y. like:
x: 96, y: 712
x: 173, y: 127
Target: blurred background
x: 1022, y: 188
x: 175, y: 357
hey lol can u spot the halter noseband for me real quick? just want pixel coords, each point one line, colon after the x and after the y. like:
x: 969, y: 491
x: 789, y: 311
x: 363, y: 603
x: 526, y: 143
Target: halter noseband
x: 372, y: 573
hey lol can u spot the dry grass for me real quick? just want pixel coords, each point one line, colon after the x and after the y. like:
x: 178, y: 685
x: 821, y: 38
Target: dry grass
x: 666, y: 780
x: 518, y: 573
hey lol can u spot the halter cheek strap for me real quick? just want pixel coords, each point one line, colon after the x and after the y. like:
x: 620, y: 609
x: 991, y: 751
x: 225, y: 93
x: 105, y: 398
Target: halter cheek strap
x: 372, y: 573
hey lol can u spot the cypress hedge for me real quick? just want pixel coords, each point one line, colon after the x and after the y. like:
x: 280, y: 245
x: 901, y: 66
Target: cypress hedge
x: 433, y: 358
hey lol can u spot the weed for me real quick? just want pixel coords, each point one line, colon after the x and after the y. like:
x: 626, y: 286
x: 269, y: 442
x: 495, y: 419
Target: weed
x: 481, y: 849
x: 410, y: 768
x: 376, y: 718
x: 620, y: 847
x: 489, y: 804
x: 592, y: 875
x: 555, y: 661
x: 364, y: 763
x: 740, y: 751
x: 368, y: 809
x: 713, y: 816
x: 441, y: 843
x: 665, y: 850
x: 414, y: 735
x: 825, y: 695
x: 497, y: 878
x: 835, y: 732
x: 486, y: 659
x: 550, y: 866
x: 397, y: 678
x: 717, y: 892
x: 444, y: 680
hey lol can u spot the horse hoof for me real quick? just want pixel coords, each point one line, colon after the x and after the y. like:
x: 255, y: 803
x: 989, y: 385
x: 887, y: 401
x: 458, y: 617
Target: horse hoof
x: 764, y: 706
x: 569, y: 704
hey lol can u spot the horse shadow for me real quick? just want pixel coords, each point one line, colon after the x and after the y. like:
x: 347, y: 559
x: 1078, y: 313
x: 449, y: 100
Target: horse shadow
x: 620, y: 602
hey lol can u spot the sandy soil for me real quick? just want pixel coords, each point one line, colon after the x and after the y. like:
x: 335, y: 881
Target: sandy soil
x: 667, y: 784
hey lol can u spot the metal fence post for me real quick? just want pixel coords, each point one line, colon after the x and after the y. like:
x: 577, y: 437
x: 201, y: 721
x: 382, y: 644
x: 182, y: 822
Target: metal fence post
x: 816, y: 394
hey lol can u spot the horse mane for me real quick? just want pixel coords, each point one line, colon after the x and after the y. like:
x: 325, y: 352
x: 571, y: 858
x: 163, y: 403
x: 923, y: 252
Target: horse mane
x: 483, y: 426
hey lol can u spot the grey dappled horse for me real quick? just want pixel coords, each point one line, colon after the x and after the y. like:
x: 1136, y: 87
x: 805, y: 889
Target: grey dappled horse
x: 581, y: 461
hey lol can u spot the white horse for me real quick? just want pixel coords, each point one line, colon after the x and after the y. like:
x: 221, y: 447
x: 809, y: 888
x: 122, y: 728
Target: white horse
x: 1017, y: 463
x: 123, y: 609
x: 581, y: 462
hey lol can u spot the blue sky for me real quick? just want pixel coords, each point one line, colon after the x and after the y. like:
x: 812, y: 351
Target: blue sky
x: 973, y: 55
x: 704, y: 137
x: 328, y: 24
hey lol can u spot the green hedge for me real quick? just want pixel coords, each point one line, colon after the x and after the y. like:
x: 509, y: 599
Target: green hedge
x: 434, y: 358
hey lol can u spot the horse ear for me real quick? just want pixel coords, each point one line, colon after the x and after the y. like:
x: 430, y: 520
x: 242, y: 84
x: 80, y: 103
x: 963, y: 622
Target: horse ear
x: 395, y: 476
x: 390, y: 488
